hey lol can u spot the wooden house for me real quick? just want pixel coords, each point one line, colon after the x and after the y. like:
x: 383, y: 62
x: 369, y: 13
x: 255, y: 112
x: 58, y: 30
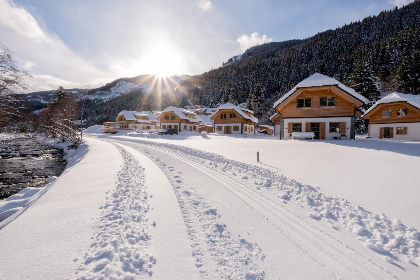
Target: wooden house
x: 139, y: 121
x: 232, y: 119
x: 179, y: 119
x: 397, y: 115
x: 321, y: 105
x: 269, y: 130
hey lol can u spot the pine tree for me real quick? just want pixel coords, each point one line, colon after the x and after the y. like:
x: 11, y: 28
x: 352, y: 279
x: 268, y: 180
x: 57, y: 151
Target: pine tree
x: 408, y: 74
x: 61, y: 115
x: 364, y: 82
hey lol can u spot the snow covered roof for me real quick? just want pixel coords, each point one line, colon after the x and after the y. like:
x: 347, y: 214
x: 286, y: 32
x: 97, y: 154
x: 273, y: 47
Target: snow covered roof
x: 180, y: 113
x: 237, y: 109
x: 266, y: 126
x: 411, y: 99
x: 318, y: 80
x: 131, y: 115
x: 273, y: 116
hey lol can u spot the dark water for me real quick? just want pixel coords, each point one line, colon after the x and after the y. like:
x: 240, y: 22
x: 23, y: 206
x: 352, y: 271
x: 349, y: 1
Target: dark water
x: 27, y: 163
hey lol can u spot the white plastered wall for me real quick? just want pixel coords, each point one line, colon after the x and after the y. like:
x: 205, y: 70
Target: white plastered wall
x: 328, y: 135
x: 231, y: 129
x: 413, y: 130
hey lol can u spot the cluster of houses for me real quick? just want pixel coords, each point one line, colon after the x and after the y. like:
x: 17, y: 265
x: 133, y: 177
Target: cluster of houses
x: 318, y: 107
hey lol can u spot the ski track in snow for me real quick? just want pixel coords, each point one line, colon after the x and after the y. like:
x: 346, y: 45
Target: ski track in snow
x: 399, y: 245
x: 232, y: 257
x: 120, y: 248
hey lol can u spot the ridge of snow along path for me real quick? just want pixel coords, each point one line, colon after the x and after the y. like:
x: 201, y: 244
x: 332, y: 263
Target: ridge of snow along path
x: 294, y: 229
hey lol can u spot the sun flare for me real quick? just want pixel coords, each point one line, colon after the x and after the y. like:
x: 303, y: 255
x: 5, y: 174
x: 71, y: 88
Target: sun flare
x: 163, y: 61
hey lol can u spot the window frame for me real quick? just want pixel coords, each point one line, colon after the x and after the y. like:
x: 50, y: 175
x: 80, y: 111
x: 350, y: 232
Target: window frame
x: 232, y: 116
x: 219, y: 128
x: 388, y: 113
x: 401, y: 130
x: 235, y: 128
x: 223, y: 116
x: 293, y: 127
x: 305, y: 103
x: 337, y: 127
x: 402, y: 112
x: 328, y: 102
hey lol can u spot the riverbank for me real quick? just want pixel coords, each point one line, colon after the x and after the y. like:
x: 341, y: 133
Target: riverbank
x: 28, y: 160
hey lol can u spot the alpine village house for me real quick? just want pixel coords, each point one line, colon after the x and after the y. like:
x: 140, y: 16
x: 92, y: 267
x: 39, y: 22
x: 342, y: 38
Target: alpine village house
x: 321, y: 105
x: 179, y: 119
x: 132, y: 120
x: 232, y: 119
x: 397, y: 115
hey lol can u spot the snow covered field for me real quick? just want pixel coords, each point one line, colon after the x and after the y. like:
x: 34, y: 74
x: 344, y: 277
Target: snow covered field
x: 186, y: 206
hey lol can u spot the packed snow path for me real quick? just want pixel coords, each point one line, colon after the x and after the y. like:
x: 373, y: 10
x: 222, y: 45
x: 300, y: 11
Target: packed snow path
x: 228, y: 207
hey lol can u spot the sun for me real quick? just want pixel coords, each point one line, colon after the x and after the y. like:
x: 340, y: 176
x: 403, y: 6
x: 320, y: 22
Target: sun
x: 163, y: 61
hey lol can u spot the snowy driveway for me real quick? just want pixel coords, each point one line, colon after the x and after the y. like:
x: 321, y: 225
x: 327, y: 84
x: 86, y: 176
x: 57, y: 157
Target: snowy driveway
x: 165, y: 211
x: 244, y: 222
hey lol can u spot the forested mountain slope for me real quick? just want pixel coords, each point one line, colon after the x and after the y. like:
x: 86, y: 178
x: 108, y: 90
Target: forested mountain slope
x: 379, y: 54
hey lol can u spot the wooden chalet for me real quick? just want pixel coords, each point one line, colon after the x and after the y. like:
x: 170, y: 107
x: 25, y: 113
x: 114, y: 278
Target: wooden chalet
x: 397, y: 115
x: 132, y: 120
x: 179, y: 119
x: 232, y: 119
x: 321, y: 105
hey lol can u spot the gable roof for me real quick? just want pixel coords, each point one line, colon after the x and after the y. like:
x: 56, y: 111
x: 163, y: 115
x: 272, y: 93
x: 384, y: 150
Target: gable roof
x: 319, y: 80
x: 238, y: 109
x: 180, y: 113
x: 131, y: 115
x: 411, y: 99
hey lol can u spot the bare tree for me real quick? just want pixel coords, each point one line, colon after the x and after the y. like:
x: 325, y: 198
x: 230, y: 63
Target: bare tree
x: 11, y: 80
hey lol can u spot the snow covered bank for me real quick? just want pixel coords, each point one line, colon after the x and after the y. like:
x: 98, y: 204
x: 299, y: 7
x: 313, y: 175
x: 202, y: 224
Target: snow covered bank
x: 46, y: 240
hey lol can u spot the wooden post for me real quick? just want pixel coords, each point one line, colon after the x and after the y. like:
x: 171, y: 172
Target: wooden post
x: 258, y: 156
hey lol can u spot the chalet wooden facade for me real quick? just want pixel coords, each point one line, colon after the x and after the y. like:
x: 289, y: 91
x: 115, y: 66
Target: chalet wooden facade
x: 397, y: 116
x: 179, y: 119
x: 319, y: 104
x: 232, y: 119
x: 132, y: 120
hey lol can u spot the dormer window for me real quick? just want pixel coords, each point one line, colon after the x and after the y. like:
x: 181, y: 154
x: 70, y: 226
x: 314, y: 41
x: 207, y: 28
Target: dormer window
x: 172, y: 117
x: 166, y: 117
x: 232, y: 116
x: 223, y: 116
x: 402, y: 112
x: 327, y: 101
x: 304, y: 103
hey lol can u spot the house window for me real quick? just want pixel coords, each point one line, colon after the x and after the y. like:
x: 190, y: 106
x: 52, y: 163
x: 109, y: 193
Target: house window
x: 194, y: 128
x: 401, y: 130
x: 245, y: 127
x: 334, y: 127
x: 232, y: 116
x: 163, y: 126
x: 185, y: 127
x: 296, y: 127
x: 219, y: 128
x: 223, y: 116
x: 251, y: 129
x: 402, y: 112
x: 176, y: 127
x: 386, y: 113
x: 235, y: 128
x: 172, y: 117
x: 327, y: 101
x: 304, y: 103
x: 147, y: 127
x: 166, y: 117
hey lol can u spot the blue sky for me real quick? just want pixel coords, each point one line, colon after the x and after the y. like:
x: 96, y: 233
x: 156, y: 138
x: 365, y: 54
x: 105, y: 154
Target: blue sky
x: 81, y: 43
